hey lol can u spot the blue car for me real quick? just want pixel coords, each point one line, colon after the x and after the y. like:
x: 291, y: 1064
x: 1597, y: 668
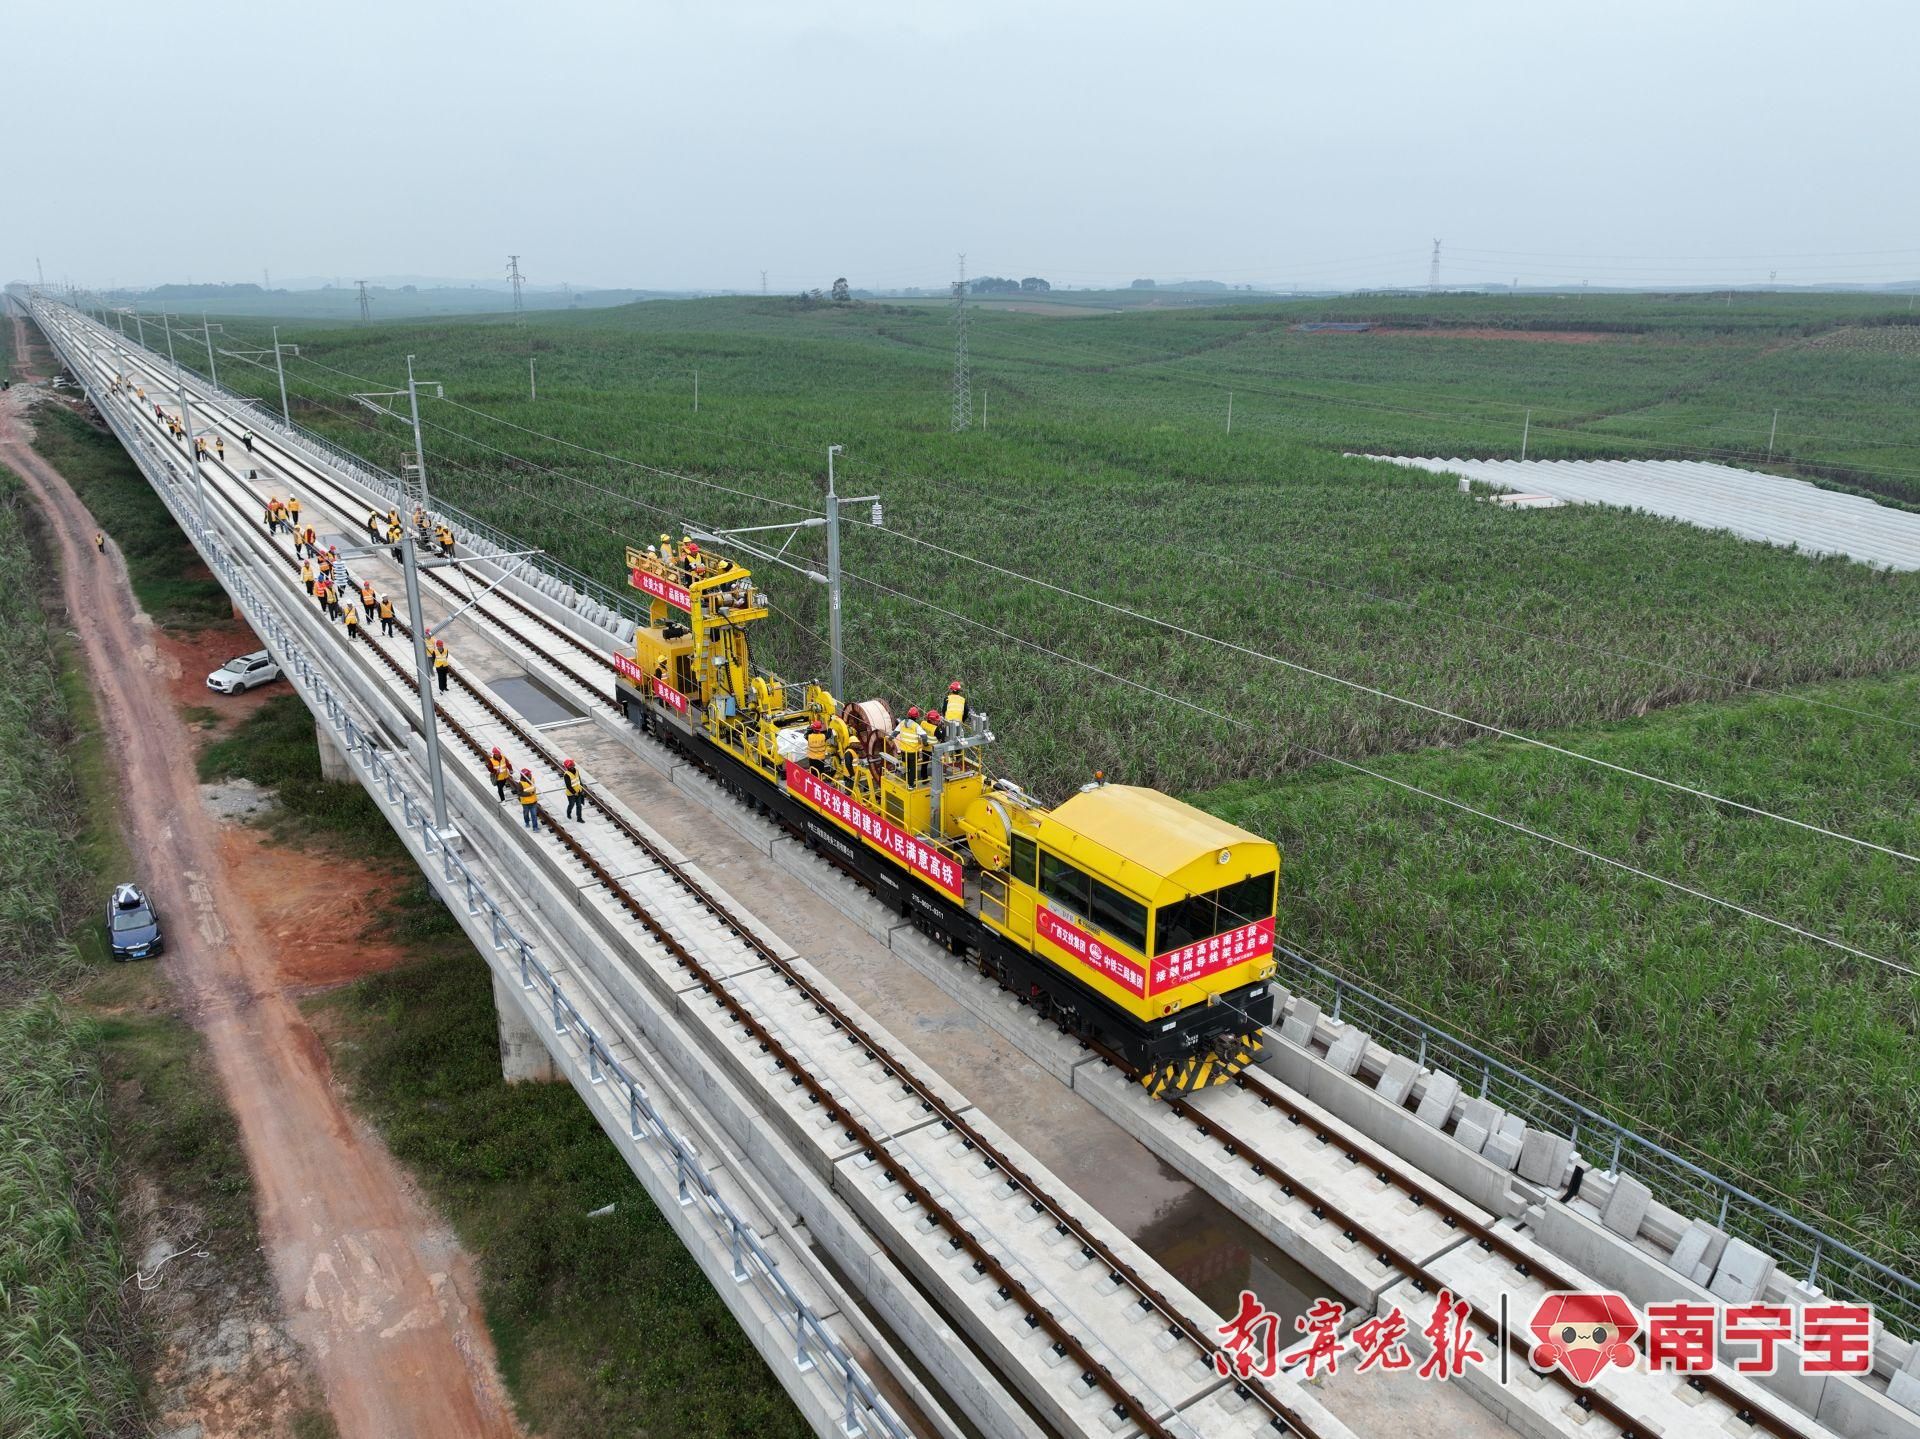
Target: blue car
x: 133, y: 925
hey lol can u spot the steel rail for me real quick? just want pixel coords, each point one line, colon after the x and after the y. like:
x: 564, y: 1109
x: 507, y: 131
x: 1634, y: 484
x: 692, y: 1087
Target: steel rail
x: 1069, y: 1344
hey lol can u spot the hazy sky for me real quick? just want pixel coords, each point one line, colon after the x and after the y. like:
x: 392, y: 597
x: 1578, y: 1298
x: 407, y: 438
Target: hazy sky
x: 695, y: 144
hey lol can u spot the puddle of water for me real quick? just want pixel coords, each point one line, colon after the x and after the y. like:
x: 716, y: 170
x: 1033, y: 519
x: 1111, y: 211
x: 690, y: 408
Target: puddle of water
x: 535, y: 702
x: 1216, y: 1255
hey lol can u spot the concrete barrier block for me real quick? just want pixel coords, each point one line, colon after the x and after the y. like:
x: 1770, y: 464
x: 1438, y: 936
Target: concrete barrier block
x: 1298, y: 1025
x: 1626, y: 1207
x: 1697, y: 1251
x: 1482, y: 1112
x: 1396, y: 1080
x: 1470, y: 1135
x: 1743, y: 1273
x: 1503, y: 1145
x: 1436, y: 1105
x: 1911, y: 1364
x: 1346, y: 1052
x: 1904, y: 1389
x: 1544, y: 1157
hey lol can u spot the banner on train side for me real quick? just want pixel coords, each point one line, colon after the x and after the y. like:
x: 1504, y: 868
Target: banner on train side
x: 1090, y: 950
x: 922, y: 858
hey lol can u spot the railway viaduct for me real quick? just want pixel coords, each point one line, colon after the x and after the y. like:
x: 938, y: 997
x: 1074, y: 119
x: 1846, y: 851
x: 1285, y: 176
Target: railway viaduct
x: 903, y: 1260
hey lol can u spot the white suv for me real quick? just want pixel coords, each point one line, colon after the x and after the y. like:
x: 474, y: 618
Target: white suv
x: 243, y: 672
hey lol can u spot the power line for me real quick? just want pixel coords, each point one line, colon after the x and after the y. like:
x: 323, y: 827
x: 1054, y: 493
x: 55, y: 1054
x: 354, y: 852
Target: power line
x: 1409, y: 787
x: 1374, y: 691
x: 1249, y: 652
x: 572, y: 445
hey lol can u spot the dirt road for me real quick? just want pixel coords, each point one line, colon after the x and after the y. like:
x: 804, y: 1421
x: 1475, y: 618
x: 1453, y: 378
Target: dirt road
x: 373, y: 1283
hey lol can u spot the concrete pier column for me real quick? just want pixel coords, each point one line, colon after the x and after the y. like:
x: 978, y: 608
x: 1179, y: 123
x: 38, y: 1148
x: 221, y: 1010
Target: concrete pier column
x: 334, y: 764
x: 523, y: 1057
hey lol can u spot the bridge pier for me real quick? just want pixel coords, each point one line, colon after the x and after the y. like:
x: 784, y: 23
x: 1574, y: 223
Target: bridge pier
x: 523, y: 1057
x: 335, y: 767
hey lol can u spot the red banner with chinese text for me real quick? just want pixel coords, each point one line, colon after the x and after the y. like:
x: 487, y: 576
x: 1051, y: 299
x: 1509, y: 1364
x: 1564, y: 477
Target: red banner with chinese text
x: 1090, y: 950
x: 669, y: 696
x: 922, y: 858
x: 1208, y: 956
x: 660, y: 589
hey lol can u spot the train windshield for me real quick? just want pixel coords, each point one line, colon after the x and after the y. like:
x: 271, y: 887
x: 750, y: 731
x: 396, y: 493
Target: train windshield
x: 1202, y: 916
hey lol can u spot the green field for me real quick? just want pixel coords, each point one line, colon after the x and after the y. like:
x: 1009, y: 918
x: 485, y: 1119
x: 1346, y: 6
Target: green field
x: 66, y: 1331
x: 1105, y: 468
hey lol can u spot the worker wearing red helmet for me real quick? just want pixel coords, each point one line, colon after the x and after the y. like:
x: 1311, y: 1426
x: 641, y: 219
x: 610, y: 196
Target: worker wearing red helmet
x: 501, y: 768
x: 576, y: 791
x: 529, y: 802
x: 817, y: 747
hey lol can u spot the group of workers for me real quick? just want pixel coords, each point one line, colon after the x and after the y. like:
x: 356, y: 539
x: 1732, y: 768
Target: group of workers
x: 333, y: 590
x: 913, y: 737
x: 688, y: 560
x: 500, y: 771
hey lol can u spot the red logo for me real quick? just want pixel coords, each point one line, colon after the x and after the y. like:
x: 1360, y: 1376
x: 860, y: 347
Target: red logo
x: 1583, y: 1333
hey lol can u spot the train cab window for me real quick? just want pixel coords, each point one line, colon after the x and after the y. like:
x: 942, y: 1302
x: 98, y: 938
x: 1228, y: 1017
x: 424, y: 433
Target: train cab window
x: 1119, y: 915
x: 1064, y: 883
x: 1123, y: 918
x: 1202, y: 916
x: 1026, y: 861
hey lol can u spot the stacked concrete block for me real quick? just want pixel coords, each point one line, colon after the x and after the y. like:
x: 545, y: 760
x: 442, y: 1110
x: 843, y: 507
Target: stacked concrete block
x: 1904, y: 1386
x: 1297, y: 1027
x: 1743, y: 1273
x: 1544, y: 1158
x: 1478, y: 1119
x: 1698, y: 1251
x: 1436, y: 1105
x: 1626, y: 1207
x: 1504, y: 1144
x: 1396, y: 1080
x: 1347, y: 1050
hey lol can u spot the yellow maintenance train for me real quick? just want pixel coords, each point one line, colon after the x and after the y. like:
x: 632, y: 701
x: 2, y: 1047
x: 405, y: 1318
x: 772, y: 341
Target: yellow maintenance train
x: 1137, y: 921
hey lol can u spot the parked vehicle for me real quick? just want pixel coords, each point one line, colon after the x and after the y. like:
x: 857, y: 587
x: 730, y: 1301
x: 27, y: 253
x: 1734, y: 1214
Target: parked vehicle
x: 133, y: 925
x: 244, y: 672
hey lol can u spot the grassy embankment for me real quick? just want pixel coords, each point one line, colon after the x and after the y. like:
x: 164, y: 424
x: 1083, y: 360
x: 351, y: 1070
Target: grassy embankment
x: 107, y: 1092
x: 99, y: 1084
x: 168, y: 579
x: 603, y: 1326
x: 1105, y: 468
x: 1789, y: 1063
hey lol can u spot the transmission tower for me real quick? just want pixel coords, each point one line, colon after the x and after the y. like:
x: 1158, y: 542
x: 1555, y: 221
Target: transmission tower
x: 763, y: 282
x: 513, y: 274
x: 366, y: 305
x: 962, y: 380
x: 1433, y: 271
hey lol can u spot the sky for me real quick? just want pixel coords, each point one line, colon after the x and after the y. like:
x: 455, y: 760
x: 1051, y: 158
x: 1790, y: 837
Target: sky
x: 694, y: 145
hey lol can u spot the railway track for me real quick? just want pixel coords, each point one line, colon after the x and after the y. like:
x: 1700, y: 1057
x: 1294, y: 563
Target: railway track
x: 1183, y: 1341
x: 1249, y: 1146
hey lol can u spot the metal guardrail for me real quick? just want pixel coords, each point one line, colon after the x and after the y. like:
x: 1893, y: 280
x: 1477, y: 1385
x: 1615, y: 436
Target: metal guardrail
x: 1838, y: 1268
x: 381, y: 482
x: 812, y: 1343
